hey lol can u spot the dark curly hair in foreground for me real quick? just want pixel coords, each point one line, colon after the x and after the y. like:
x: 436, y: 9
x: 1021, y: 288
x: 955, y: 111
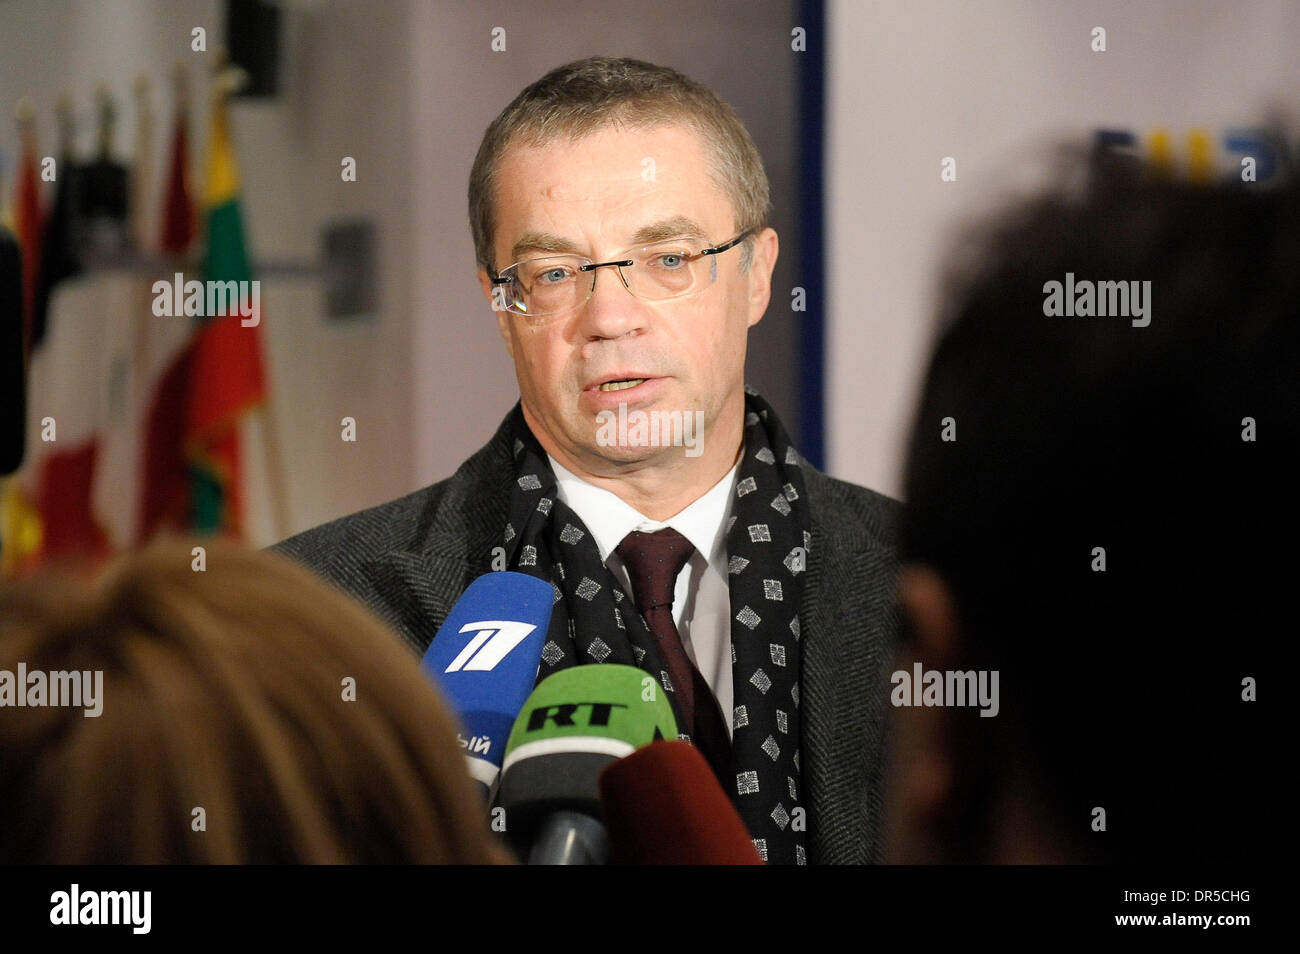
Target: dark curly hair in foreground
x: 1158, y: 440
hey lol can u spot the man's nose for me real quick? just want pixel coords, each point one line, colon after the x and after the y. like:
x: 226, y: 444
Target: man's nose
x: 612, y: 311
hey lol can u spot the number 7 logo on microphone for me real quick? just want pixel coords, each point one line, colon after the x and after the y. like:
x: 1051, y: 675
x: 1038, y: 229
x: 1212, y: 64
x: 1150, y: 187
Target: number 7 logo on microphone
x: 493, y: 643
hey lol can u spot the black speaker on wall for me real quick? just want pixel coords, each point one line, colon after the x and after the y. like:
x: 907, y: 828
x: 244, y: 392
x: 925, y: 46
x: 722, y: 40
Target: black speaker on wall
x: 253, y: 39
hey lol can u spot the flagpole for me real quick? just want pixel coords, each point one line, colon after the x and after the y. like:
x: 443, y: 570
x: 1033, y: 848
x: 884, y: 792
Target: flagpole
x: 137, y: 203
x: 275, y: 468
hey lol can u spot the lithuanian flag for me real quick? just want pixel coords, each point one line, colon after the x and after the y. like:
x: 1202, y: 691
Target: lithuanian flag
x: 227, y: 377
x: 194, y: 474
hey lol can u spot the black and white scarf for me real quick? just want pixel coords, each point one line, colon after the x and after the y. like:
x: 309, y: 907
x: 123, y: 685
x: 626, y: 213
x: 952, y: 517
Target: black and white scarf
x: 595, y: 621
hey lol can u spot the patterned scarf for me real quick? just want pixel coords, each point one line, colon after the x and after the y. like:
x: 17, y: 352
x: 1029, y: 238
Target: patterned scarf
x: 595, y: 621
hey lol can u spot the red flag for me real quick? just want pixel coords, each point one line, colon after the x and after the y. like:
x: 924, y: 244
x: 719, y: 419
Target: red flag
x: 178, y: 207
x: 71, y: 531
x: 65, y: 381
x: 29, y: 226
x: 166, y: 499
x: 228, y: 375
x: 194, y: 465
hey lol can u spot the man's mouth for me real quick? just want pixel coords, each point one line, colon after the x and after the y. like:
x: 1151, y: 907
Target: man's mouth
x: 621, y: 385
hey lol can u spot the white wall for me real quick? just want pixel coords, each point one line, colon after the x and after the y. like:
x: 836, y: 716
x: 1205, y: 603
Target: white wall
x: 987, y: 83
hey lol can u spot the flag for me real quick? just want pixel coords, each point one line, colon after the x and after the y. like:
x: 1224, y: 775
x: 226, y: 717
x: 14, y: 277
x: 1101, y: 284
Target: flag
x: 75, y: 381
x: 216, y: 380
x: 70, y: 529
x: 60, y: 256
x: 228, y: 379
x: 28, y: 225
x: 20, y: 530
x: 76, y: 395
x: 70, y: 381
x: 178, y: 206
x: 19, y: 525
x: 165, y: 483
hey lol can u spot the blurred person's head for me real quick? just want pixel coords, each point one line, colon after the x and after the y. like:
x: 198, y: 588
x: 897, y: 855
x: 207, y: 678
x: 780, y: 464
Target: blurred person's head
x: 615, y: 160
x: 250, y: 690
x: 1045, y: 445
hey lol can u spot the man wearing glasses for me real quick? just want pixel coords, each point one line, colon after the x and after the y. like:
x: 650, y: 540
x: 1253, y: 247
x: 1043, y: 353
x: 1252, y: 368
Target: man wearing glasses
x: 619, y: 213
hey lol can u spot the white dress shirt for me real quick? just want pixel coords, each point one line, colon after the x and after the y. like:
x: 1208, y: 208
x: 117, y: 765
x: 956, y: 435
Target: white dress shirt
x: 701, y: 601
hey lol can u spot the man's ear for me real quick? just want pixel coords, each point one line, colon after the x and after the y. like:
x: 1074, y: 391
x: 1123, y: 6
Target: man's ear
x: 762, y: 262
x: 502, y: 316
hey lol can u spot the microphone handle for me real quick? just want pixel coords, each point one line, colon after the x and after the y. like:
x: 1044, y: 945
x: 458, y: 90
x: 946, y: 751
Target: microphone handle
x: 570, y: 838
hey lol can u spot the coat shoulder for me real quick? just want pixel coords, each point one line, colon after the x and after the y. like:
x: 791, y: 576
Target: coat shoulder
x: 367, y: 533
x: 842, y: 506
x: 446, y: 519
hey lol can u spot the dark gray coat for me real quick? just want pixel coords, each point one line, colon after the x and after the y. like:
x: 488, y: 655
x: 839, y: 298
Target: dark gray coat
x: 410, y: 559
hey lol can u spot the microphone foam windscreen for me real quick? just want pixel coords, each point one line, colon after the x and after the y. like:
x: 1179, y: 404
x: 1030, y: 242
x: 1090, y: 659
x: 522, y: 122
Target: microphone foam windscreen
x: 574, y: 723
x: 663, y: 806
x: 485, y: 659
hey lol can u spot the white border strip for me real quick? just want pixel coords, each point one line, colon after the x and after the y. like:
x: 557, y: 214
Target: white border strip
x: 593, y: 744
x: 482, y: 770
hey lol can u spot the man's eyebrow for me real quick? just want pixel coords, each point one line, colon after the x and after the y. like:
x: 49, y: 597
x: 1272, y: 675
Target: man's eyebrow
x: 678, y: 226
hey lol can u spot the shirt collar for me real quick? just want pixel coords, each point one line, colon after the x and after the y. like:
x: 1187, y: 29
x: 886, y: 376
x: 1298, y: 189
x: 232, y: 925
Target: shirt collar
x: 610, y: 519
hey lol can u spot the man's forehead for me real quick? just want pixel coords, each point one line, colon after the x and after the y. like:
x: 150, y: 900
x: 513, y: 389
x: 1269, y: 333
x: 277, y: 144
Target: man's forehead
x: 608, y: 165
x: 654, y: 182
x: 616, y: 144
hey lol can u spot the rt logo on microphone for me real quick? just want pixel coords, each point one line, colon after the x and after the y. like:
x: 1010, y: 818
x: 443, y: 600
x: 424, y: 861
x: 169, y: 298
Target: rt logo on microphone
x: 562, y: 714
x: 495, y: 639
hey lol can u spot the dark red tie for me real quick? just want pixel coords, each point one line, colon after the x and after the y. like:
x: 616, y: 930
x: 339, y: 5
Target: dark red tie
x: 653, y: 561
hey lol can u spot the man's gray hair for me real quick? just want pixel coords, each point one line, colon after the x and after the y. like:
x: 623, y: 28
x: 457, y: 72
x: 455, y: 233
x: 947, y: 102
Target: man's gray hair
x: 582, y: 97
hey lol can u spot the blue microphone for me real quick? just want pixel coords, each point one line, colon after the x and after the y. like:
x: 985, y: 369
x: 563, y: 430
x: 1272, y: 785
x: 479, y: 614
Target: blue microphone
x: 485, y: 659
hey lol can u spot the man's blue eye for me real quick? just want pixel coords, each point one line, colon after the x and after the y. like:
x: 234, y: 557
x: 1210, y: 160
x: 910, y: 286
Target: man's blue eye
x: 553, y: 275
x: 670, y: 261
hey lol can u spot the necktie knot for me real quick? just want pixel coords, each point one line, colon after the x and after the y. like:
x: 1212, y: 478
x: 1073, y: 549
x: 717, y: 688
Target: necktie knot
x: 653, y: 561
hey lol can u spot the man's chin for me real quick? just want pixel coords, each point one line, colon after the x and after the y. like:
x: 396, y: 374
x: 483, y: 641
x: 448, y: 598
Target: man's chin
x: 624, y: 456
x: 619, y: 460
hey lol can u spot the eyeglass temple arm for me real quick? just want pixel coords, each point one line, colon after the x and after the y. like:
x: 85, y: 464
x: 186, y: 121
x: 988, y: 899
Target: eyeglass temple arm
x: 722, y: 248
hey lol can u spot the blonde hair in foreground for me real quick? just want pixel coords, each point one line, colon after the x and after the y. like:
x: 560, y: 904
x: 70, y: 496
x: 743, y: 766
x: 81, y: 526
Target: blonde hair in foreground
x: 223, y: 690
